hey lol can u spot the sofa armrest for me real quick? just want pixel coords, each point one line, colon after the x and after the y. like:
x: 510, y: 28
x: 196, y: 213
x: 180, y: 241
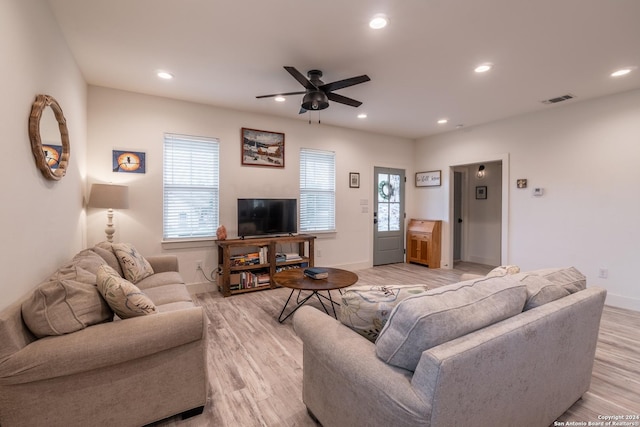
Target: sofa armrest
x: 103, y: 345
x: 162, y: 263
x: 345, y: 383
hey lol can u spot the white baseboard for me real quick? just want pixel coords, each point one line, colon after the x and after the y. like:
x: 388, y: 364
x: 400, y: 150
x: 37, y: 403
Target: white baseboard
x: 623, y: 302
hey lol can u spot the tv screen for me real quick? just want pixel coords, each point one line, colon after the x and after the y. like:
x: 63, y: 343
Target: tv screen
x: 260, y: 217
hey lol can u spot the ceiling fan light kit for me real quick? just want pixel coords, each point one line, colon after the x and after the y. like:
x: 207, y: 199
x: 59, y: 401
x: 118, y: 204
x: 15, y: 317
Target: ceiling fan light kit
x: 317, y: 94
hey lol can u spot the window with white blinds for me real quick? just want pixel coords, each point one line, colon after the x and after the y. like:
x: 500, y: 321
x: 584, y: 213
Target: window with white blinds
x: 317, y: 190
x: 191, y: 190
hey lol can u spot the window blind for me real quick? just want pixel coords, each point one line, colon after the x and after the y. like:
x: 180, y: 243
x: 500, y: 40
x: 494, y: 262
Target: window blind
x: 317, y: 190
x: 190, y: 186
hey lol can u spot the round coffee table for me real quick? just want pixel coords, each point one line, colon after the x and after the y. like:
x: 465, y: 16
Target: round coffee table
x: 297, y: 281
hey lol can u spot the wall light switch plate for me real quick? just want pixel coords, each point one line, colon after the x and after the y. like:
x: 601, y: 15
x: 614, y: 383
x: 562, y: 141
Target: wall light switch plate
x: 538, y: 191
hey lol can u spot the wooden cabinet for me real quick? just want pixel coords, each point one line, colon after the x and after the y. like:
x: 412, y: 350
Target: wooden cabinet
x: 423, y: 242
x: 237, y: 262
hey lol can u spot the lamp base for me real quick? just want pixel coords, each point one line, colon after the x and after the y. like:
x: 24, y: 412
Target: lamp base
x: 110, y: 230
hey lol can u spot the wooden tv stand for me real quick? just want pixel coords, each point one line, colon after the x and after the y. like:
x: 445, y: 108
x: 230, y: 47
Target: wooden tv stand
x: 233, y: 273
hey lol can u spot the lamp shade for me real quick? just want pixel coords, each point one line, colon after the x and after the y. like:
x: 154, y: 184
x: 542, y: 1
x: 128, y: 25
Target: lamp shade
x: 109, y: 196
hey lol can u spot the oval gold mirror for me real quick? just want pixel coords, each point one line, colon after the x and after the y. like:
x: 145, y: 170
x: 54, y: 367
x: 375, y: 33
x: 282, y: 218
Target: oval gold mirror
x: 49, y: 143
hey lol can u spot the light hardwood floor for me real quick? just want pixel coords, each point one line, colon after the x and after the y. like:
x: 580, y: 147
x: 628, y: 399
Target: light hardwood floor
x: 255, y: 363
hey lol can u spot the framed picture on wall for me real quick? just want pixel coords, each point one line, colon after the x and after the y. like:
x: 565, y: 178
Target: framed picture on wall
x: 481, y: 192
x: 262, y: 148
x: 428, y: 179
x: 129, y: 161
x: 354, y: 180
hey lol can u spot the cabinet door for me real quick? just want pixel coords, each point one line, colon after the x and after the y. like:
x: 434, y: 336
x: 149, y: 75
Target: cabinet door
x: 424, y: 244
x: 413, y: 248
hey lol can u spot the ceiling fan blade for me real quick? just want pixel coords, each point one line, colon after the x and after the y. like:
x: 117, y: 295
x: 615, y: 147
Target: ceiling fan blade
x: 281, y: 94
x: 300, y: 78
x: 343, y: 99
x: 302, y: 111
x: 344, y: 83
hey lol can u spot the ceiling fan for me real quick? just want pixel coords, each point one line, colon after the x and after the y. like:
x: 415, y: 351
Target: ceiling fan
x: 317, y: 93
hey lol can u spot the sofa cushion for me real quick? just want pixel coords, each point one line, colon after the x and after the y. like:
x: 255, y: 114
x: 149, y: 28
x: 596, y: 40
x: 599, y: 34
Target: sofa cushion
x: 168, y: 293
x: 570, y: 278
x: 124, y: 298
x: 160, y: 279
x: 60, y: 307
x: 87, y: 259
x: 366, y: 309
x: 442, y: 314
x: 539, y: 290
x: 105, y: 250
x: 134, y: 266
x: 74, y: 272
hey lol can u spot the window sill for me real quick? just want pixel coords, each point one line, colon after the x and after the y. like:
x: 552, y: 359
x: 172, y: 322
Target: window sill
x: 206, y: 242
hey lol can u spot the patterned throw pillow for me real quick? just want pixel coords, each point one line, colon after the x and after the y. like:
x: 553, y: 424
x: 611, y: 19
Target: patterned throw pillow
x: 124, y: 298
x: 134, y: 266
x: 366, y: 309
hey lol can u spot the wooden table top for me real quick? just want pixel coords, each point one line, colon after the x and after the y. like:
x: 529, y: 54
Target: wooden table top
x: 295, y: 279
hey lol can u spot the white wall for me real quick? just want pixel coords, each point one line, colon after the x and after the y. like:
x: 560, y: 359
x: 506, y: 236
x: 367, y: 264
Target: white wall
x: 43, y: 221
x: 125, y: 120
x: 584, y: 155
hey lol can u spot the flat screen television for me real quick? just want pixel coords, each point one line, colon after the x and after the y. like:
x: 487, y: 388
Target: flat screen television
x: 267, y: 217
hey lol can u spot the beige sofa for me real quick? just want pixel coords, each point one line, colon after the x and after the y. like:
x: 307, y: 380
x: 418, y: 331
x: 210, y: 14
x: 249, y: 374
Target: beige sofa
x: 526, y: 369
x: 127, y: 372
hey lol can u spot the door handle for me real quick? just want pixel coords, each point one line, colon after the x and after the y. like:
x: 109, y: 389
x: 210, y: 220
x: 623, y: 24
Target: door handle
x: 459, y: 220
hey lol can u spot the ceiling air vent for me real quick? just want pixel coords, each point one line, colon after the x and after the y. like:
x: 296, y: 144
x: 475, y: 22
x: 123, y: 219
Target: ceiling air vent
x: 558, y: 99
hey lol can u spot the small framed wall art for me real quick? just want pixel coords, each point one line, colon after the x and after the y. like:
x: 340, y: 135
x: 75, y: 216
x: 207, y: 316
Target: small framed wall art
x: 428, y: 179
x: 262, y: 148
x: 354, y: 180
x: 481, y: 192
x: 129, y: 161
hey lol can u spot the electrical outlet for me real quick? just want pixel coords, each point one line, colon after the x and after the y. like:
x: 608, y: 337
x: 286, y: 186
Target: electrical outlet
x: 198, y: 265
x: 603, y: 273
x: 319, y: 252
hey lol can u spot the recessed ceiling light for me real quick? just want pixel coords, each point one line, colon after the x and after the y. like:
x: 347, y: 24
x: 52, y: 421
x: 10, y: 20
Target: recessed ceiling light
x: 362, y: 116
x: 622, y: 72
x: 442, y: 121
x: 378, y: 21
x: 483, y: 68
x: 164, y: 75
x: 279, y: 98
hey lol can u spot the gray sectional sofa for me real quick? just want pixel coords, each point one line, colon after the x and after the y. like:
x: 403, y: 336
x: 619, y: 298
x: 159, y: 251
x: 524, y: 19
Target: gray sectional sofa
x: 512, y: 350
x: 67, y: 360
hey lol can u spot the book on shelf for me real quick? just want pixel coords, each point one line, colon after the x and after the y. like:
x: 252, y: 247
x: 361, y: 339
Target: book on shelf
x: 316, y: 272
x: 292, y: 256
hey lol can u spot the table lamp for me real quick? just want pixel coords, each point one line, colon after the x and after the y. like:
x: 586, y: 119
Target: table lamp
x: 110, y: 197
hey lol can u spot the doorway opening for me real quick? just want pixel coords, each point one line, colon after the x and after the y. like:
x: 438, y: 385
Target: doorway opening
x: 478, y: 213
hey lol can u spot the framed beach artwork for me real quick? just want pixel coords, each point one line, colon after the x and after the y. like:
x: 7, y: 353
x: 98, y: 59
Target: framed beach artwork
x: 262, y: 148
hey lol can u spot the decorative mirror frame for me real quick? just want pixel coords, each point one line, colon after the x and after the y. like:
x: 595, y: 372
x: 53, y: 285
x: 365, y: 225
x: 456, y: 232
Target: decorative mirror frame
x: 38, y: 107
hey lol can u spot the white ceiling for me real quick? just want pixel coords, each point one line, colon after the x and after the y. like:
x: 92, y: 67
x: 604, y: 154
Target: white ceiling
x: 225, y: 52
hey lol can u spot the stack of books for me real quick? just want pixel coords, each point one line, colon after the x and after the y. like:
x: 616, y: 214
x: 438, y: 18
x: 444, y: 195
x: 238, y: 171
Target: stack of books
x: 316, y: 273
